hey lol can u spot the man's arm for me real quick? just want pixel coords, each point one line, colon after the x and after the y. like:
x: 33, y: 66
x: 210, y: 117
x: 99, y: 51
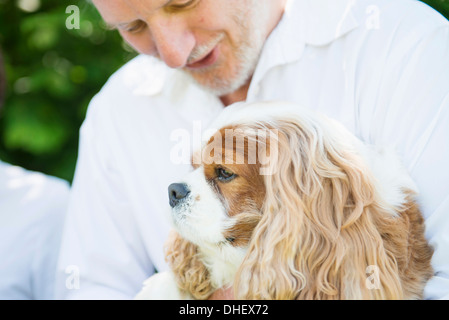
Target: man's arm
x: 102, y: 255
x: 431, y: 172
x: 410, y: 110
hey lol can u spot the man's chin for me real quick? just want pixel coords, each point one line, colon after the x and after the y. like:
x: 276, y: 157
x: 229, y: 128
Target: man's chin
x: 219, y: 86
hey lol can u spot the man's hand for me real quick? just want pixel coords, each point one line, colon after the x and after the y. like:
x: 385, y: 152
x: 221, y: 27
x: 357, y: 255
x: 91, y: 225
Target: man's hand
x: 223, y: 294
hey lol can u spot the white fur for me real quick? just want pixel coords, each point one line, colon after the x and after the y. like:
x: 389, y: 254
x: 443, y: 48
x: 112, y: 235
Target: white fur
x: 391, y: 176
x: 204, y: 221
x: 161, y: 286
x: 222, y: 262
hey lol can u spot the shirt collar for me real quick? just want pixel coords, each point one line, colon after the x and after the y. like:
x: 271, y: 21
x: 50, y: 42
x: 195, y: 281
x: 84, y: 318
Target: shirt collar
x: 146, y: 75
x: 304, y: 22
x: 326, y: 20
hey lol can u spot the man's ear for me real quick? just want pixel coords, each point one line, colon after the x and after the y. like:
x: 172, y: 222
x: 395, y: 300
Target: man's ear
x: 318, y: 229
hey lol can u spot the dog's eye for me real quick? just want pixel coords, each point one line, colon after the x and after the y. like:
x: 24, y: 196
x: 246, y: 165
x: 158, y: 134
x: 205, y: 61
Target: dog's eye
x: 224, y: 175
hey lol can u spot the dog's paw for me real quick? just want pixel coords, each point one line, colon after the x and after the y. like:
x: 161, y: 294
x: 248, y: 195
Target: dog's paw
x: 161, y: 286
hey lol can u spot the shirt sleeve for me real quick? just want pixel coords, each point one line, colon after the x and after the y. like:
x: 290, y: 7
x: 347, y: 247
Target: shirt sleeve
x: 48, y: 240
x: 102, y: 254
x: 411, y: 111
x: 431, y: 173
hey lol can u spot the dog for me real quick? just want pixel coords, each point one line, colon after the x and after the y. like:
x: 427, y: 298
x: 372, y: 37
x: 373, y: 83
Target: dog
x: 285, y: 203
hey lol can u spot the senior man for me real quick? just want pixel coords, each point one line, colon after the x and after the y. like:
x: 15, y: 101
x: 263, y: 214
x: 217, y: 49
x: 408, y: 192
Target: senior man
x: 378, y: 66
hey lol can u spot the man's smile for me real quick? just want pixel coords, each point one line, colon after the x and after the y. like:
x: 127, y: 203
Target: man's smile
x: 205, y: 61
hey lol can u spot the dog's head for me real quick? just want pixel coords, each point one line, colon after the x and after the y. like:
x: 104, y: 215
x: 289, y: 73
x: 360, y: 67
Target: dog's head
x: 220, y: 202
x: 283, y: 184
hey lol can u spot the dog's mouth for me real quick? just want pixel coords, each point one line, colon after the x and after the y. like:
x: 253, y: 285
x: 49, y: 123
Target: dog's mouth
x: 181, y: 211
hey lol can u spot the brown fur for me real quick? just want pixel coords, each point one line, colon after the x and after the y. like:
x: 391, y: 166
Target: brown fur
x: 312, y: 228
x: 246, y: 192
x: 191, y: 274
x: 406, y: 241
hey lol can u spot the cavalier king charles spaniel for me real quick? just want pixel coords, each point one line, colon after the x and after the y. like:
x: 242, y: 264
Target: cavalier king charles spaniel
x: 284, y: 203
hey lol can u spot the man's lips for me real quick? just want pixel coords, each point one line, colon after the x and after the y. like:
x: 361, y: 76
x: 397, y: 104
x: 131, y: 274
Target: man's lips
x: 206, y: 61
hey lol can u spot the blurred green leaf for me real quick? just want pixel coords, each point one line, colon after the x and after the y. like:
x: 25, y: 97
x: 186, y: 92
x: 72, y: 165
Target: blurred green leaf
x: 440, y: 5
x: 52, y: 74
x: 34, y: 128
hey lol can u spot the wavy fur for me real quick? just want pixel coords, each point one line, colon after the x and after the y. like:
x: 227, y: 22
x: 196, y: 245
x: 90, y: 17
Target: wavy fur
x: 322, y: 224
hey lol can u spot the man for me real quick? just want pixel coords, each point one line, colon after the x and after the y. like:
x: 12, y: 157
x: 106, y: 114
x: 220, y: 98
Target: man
x: 32, y: 211
x: 379, y: 67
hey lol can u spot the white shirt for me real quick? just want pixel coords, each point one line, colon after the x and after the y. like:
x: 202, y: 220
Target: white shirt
x: 381, y: 67
x: 32, y: 211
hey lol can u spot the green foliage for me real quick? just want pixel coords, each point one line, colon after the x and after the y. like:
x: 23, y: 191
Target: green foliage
x: 440, y: 5
x: 52, y: 73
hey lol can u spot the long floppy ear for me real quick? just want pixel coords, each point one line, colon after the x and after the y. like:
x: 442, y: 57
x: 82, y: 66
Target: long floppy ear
x: 317, y: 237
x: 191, y: 274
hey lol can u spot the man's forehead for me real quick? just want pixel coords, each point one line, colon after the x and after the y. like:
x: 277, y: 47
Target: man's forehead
x: 120, y: 11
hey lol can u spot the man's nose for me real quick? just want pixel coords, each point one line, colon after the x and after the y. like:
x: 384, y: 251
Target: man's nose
x: 177, y: 192
x: 173, y: 40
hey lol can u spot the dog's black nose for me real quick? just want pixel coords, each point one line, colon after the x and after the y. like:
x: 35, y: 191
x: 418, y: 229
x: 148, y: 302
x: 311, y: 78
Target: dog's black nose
x: 177, y: 192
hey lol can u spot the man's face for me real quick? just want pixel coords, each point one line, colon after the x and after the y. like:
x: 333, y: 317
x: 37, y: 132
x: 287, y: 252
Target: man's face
x: 218, y: 42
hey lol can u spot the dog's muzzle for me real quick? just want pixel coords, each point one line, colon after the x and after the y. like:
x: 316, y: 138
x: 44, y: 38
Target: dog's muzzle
x: 177, y: 192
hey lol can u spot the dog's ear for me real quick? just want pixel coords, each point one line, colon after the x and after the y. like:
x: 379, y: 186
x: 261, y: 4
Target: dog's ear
x: 318, y: 235
x: 190, y: 273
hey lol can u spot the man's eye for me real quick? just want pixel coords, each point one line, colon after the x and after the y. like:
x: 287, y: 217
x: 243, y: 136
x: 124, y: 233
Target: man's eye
x: 225, y: 175
x: 181, y: 5
x: 134, y: 27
